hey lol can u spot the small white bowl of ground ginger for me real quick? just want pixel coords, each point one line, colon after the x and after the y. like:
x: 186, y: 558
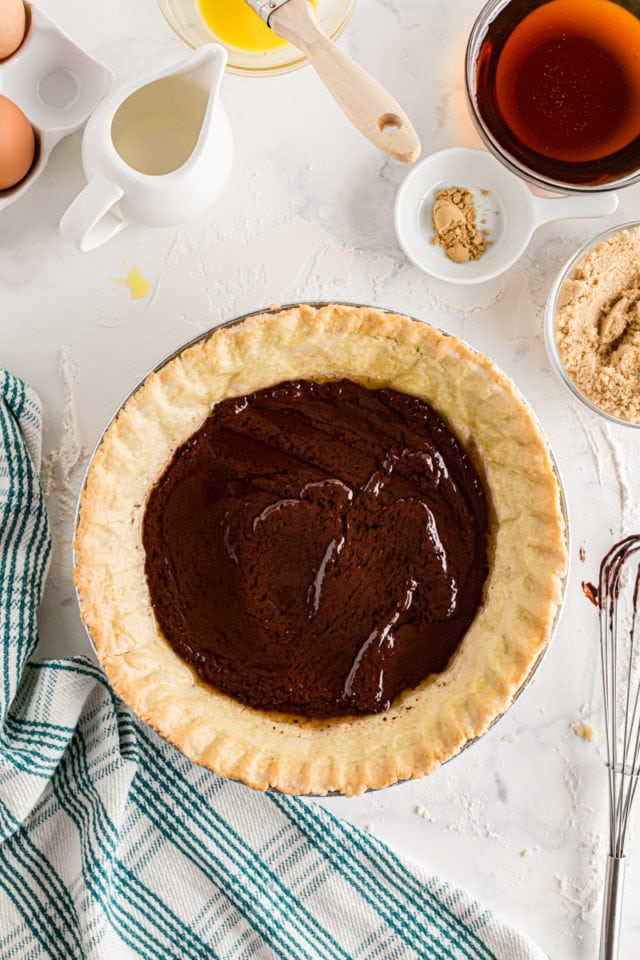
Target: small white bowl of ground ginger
x: 462, y: 217
x: 592, y: 324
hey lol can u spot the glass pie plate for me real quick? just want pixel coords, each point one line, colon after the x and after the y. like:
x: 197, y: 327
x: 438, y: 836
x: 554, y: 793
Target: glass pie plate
x: 238, y: 320
x: 184, y: 18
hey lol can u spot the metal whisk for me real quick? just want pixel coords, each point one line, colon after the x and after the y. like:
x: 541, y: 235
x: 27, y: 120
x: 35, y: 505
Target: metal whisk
x: 618, y: 601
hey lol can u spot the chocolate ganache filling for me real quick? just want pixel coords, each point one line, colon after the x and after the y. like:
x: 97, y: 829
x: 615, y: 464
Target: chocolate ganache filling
x: 317, y: 548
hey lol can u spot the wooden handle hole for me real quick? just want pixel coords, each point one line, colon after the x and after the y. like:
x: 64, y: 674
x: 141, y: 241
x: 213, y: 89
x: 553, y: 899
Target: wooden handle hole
x: 389, y: 123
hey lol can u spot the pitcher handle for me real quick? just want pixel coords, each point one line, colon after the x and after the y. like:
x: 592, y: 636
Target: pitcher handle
x: 87, y: 222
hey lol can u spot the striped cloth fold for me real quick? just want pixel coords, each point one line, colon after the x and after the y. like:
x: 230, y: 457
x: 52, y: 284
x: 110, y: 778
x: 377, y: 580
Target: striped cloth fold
x: 114, y: 846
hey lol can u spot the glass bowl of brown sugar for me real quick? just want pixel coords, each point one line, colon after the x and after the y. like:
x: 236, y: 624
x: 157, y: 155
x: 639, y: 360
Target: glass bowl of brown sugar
x: 592, y: 324
x: 553, y: 88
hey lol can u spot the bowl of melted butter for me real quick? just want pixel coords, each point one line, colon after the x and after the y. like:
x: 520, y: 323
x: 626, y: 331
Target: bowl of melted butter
x: 252, y: 47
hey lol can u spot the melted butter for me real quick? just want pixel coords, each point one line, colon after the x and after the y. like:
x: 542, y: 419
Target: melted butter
x: 237, y: 25
x: 137, y: 285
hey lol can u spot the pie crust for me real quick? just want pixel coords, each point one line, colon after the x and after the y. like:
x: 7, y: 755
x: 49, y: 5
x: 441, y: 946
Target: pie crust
x: 527, y: 552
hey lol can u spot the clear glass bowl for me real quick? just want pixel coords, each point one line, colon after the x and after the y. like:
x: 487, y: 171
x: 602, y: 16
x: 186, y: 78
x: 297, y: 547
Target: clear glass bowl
x: 487, y: 15
x: 550, y: 326
x: 184, y: 18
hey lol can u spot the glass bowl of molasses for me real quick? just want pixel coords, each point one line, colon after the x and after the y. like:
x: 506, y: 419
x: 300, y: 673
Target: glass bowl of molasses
x: 553, y: 87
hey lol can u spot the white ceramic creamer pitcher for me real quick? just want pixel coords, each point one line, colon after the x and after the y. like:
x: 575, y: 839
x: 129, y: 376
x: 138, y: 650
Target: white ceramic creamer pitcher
x: 156, y: 153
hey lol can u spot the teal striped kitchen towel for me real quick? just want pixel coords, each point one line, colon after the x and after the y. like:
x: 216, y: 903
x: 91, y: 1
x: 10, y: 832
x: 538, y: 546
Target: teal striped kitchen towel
x: 114, y: 846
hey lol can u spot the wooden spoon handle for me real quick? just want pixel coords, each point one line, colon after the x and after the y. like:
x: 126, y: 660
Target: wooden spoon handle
x: 368, y: 105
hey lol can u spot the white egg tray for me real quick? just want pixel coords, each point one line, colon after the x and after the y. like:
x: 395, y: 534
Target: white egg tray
x: 55, y: 84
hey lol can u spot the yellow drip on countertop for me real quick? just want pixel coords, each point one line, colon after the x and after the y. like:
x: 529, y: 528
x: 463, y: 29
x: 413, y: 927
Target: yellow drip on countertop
x: 237, y: 25
x: 137, y: 285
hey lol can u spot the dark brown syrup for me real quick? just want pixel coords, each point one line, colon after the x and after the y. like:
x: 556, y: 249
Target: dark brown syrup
x: 558, y: 86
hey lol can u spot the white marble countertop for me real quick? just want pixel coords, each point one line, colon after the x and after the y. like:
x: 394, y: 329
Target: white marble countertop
x: 519, y: 819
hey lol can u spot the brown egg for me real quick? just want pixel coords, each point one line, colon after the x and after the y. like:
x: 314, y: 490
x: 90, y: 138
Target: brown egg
x: 17, y: 144
x: 12, y: 26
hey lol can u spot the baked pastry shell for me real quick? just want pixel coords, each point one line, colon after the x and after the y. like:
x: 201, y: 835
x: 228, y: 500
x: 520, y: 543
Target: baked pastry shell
x: 425, y: 726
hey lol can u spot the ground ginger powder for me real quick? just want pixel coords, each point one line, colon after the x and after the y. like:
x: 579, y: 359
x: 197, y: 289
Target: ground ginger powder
x: 597, y: 325
x: 454, y: 221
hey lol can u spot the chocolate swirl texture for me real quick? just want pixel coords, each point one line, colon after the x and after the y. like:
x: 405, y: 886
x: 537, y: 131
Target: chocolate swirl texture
x: 317, y: 548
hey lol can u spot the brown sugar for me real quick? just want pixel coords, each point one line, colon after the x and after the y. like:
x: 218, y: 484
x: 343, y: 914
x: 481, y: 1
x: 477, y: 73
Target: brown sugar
x: 597, y: 325
x: 454, y: 222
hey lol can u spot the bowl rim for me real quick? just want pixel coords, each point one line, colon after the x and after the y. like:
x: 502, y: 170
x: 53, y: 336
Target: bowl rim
x: 404, y: 209
x: 476, y: 35
x: 550, y: 310
x: 294, y: 62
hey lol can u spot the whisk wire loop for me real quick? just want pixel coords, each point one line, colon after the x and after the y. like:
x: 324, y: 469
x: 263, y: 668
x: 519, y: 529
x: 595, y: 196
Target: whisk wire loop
x: 619, y: 602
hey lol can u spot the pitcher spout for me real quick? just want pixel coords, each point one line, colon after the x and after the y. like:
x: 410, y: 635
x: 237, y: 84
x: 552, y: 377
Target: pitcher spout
x: 200, y: 78
x: 205, y: 67
x: 213, y: 154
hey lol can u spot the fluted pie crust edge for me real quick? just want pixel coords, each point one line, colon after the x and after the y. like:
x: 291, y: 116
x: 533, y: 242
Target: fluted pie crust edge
x: 424, y: 726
